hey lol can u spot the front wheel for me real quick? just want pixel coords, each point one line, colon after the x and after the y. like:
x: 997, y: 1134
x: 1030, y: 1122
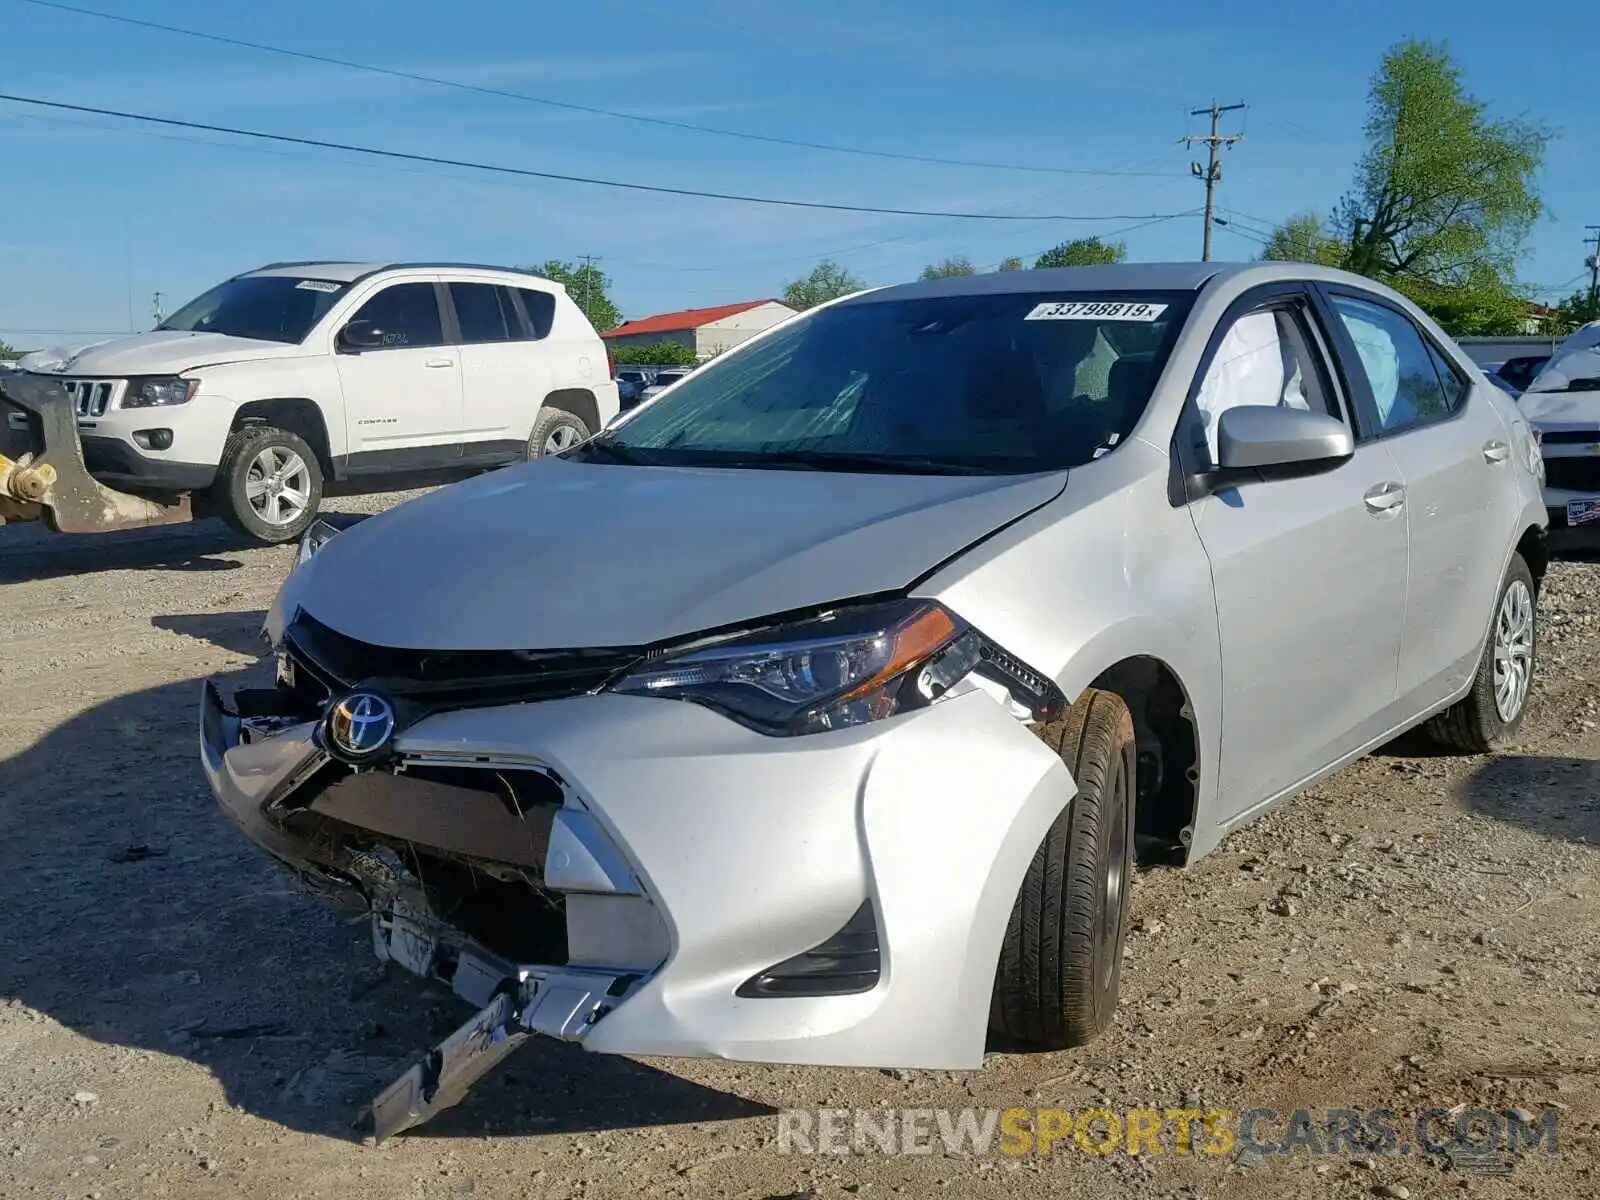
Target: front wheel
x: 1493, y: 710
x: 268, y: 484
x: 1061, y: 962
x: 555, y: 430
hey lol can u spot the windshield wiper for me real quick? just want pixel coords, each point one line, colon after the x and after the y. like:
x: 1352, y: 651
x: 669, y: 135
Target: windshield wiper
x: 609, y: 448
x: 823, y: 460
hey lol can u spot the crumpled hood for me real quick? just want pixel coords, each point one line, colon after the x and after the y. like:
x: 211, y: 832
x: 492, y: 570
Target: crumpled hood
x: 561, y: 555
x: 158, y: 352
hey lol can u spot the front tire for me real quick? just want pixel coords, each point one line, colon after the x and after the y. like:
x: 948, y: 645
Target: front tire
x: 268, y: 484
x: 555, y: 430
x: 1493, y: 710
x: 1061, y: 961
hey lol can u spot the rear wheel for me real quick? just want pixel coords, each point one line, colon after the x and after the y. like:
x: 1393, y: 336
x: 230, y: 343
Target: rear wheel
x: 1061, y: 962
x: 268, y: 484
x: 1493, y: 710
x: 554, y: 431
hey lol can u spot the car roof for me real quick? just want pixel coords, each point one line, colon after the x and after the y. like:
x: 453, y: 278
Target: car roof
x: 1117, y: 277
x: 350, y: 272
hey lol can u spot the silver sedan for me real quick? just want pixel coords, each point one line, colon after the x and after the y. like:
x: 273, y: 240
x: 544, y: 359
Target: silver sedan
x: 820, y: 710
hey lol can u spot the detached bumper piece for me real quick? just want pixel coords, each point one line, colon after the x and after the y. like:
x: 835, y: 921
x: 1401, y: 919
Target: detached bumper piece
x: 517, y: 1002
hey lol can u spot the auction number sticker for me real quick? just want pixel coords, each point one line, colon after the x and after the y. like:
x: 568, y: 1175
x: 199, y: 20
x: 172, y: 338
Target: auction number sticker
x: 1096, y: 310
x: 317, y: 285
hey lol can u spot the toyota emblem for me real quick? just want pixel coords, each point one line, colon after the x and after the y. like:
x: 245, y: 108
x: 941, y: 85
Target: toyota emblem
x: 359, y: 726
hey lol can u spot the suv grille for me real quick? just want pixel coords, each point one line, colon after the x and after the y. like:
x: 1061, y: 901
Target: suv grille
x: 1573, y: 474
x: 91, y: 397
x: 329, y: 661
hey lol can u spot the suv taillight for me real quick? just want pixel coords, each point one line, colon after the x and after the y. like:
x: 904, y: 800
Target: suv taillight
x: 611, y: 363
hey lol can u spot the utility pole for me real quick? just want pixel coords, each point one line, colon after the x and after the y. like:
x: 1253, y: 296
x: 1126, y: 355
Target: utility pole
x: 155, y: 304
x: 1593, y: 263
x: 588, y: 260
x: 1213, y: 168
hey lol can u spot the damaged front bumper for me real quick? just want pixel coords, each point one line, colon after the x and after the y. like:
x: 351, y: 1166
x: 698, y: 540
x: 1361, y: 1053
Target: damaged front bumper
x: 263, y: 766
x: 664, y: 881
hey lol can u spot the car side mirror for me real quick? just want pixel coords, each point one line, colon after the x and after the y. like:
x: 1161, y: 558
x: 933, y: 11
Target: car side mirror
x: 1254, y: 436
x: 358, y: 336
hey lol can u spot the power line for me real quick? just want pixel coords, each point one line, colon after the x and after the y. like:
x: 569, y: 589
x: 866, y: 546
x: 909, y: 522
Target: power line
x: 528, y: 172
x: 504, y: 94
x: 1213, y: 172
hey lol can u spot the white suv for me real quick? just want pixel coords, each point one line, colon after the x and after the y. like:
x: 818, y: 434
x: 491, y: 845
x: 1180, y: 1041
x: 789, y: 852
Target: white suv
x: 282, y: 379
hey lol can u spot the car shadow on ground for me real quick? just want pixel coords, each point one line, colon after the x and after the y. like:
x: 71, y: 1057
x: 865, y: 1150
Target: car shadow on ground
x: 1556, y: 797
x: 137, y: 916
x: 236, y: 632
x: 30, y: 551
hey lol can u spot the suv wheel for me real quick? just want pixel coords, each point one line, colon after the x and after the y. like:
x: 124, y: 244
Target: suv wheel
x: 555, y: 430
x: 1494, y: 708
x: 1061, y: 962
x: 268, y: 484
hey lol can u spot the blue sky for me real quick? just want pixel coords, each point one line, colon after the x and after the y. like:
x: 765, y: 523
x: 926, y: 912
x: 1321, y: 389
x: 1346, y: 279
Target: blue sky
x: 95, y: 215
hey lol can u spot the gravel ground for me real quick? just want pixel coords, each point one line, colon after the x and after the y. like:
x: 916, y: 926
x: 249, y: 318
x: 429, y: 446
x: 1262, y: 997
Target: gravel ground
x: 1419, y: 931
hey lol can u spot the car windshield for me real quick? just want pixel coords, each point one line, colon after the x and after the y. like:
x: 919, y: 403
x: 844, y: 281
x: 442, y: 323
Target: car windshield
x: 991, y: 384
x: 269, y: 308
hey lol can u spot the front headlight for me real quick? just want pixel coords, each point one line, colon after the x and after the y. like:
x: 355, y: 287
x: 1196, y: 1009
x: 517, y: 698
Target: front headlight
x: 844, y: 668
x: 158, y: 391
x: 317, y: 535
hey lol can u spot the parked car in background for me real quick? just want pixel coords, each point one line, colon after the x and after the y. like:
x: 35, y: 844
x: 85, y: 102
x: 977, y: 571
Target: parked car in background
x: 665, y: 378
x: 905, y: 625
x: 273, y: 383
x: 1514, y: 375
x: 1562, y: 402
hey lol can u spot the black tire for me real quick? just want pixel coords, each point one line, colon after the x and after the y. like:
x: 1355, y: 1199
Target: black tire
x: 552, y: 423
x: 1475, y: 724
x: 1061, y: 961
x: 241, y: 457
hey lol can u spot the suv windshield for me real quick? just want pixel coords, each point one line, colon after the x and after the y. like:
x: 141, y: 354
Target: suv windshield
x: 998, y: 384
x: 269, y: 308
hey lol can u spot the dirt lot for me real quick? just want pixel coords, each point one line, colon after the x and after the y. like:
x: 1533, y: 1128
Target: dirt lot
x: 175, y: 1020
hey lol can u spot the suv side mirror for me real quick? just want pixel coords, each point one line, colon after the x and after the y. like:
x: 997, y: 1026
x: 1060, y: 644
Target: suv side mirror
x: 1254, y: 436
x: 358, y: 335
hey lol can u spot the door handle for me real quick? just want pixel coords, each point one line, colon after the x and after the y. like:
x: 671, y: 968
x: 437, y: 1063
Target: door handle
x: 1496, y: 451
x: 1384, y: 498
x: 440, y: 362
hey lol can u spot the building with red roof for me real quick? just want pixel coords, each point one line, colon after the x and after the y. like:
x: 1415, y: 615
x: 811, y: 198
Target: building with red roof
x: 706, y: 331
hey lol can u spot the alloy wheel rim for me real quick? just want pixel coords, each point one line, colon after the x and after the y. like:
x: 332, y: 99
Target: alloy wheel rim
x: 278, y: 485
x: 1513, y: 651
x: 562, y: 437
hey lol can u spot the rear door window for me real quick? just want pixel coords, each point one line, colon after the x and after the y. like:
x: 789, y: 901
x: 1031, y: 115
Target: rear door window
x: 1398, y: 364
x: 481, y: 313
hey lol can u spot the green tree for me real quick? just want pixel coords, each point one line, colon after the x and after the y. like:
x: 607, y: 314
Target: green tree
x: 1304, y: 238
x: 657, y: 354
x: 1011, y: 264
x: 1577, y: 309
x: 1444, y: 192
x: 1083, y: 252
x: 960, y: 264
x: 7, y: 353
x: 827, y: 281
x: 588, y: 286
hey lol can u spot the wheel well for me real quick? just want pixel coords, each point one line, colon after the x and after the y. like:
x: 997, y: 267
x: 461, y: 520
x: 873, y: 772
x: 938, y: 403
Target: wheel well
x: 580, y: 402
x: 1535, y: 552
x: 298, y: 416
x: 1168, y: 756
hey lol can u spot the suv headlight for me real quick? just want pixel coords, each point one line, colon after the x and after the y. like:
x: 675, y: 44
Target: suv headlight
x: 158, y: 391
x: 843, y: 668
